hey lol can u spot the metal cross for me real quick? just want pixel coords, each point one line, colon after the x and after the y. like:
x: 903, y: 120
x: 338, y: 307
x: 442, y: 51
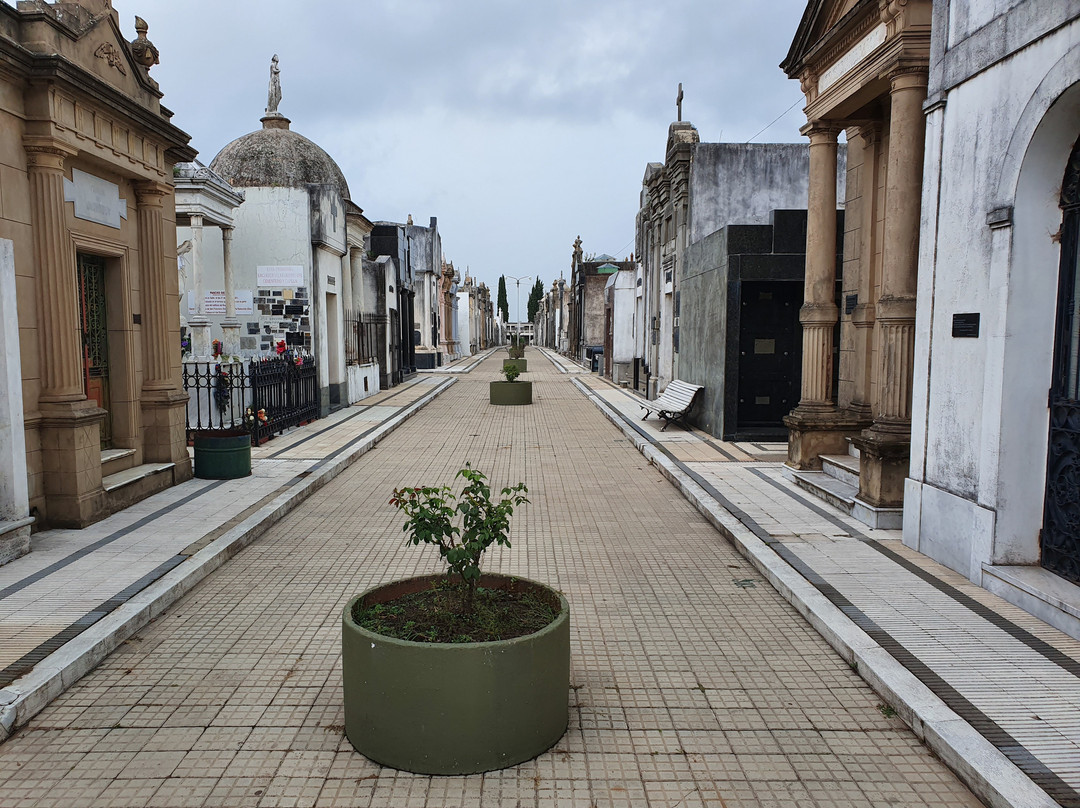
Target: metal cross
x: 678, y: 101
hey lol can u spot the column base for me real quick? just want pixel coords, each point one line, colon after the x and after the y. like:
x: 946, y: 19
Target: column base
x: 199, y: 332
x: 813, y: 432
x: 884, y: 458
x: 71, y: 455
x: 230, y: 337
x: 164, y: 431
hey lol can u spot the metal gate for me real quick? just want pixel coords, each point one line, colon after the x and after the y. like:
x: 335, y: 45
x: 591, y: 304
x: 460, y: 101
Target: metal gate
x: 770, y: 359
x: 1061, y: 512
x: 94, y: 327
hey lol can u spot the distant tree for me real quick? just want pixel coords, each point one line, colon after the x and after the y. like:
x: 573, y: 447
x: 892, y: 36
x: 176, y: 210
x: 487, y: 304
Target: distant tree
x: 503, y: 304
x: 535, y: 296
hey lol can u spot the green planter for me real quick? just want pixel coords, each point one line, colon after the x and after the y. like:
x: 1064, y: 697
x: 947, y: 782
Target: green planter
x: 224, y: 455
x: 521, y: 364
x: 510, y: 393
x: 449, y: 708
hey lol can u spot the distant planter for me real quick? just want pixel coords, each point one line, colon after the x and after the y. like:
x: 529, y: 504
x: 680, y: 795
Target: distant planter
x: 222, y: 455
x: 510, y: 393
x: 521, y: 364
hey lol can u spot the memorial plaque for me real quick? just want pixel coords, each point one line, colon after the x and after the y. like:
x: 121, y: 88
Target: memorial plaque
x: 280, y: 276
x: 965, y: 325
x: 95, y: 199
x: 850, y: 302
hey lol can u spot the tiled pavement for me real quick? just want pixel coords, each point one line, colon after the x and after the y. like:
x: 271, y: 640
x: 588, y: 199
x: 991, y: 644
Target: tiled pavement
x: 1009, y: 675
x: 694, y: 682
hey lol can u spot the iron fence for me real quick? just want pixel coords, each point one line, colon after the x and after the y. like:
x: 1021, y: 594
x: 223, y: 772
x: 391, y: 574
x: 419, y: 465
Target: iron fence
x: 264, y: 396
x: 362, y: 337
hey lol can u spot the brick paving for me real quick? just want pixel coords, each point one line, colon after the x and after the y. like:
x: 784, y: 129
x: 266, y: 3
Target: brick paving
x: 694, y: 682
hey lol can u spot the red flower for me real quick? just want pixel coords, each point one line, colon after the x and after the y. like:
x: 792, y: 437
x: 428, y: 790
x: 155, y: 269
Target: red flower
x: 281, y: 348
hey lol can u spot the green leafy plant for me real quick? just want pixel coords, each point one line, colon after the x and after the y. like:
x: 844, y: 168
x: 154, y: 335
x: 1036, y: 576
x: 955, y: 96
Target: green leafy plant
x: 463, y: 525
x: 511, y: 372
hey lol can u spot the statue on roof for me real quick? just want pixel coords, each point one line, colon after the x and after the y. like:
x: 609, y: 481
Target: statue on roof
x: 274, y: 96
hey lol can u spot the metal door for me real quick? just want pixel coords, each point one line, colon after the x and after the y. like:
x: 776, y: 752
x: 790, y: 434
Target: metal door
x: 770, y: 365
x: 93, y: 324
x: 1060, y: 538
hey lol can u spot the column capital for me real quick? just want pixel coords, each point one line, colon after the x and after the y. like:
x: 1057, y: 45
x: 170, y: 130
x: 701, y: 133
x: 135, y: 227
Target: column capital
x: 908, y: 76
x: 150, y: 192
x: 870, y: 133
x: 820, y: 132
x: 47, y: 152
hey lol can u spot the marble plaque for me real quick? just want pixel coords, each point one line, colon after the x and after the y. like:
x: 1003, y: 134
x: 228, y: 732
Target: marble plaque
x: 96, y: 200
x: 280, y: 276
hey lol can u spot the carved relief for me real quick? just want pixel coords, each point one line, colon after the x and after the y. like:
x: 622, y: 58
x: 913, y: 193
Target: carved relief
x: 108, y: 52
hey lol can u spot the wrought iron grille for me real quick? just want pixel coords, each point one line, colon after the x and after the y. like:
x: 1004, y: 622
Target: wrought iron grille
x: 1061, y: 509
x: 94, y: 326
x: 229, y: 396
x: 362, y: 336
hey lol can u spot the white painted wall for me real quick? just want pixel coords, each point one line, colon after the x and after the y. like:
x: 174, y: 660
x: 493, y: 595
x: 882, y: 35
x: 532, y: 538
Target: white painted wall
x: 979, y: 436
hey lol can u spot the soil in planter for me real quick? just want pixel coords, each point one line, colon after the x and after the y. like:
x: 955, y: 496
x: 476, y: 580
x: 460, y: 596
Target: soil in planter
x: 438, y: 615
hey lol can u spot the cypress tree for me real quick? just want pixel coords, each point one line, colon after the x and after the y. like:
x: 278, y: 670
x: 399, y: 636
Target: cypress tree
x: 535, y: 296
x: 502, y: 303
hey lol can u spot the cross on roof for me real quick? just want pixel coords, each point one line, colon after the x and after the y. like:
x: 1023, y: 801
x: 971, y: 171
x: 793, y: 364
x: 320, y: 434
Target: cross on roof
x: 678, y: 101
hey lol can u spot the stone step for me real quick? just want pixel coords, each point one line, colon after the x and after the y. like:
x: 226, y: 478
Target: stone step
x: 823, y: 486
x: 116, y: 460
x: 844, y: 468
x: 851, y: 448
x: 133, y: 475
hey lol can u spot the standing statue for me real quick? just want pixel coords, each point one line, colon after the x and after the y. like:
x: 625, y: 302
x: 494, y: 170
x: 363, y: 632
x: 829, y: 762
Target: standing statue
x: 274, y: 96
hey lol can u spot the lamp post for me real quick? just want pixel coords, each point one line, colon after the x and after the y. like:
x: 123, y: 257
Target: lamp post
x: 517, y: 307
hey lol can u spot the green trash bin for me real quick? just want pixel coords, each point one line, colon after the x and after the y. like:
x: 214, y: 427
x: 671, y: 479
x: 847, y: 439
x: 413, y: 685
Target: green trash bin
x: 222, y: 455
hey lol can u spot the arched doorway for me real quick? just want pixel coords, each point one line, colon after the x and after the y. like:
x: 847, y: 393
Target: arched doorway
x: 1060, y: 542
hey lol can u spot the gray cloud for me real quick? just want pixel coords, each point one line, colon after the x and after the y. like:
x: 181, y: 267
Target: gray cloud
x: 519, y: 124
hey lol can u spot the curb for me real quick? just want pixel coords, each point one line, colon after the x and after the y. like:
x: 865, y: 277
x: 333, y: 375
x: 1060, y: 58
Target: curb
x: 990, y: 775
x: 26, y: 697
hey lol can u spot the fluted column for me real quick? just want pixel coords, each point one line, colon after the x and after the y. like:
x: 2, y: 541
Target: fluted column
x: 819, y: 313
x: 230, y: 326
x: 58, y: 309
x: 896, y: 306
x: 150, y: 200
x: 198, y: 324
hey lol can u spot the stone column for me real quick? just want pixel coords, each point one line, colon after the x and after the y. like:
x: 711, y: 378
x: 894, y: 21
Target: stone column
x: 863, y: 316
x: 157, y: 356
x: 885, y: 446
x: 816, y: 427
x: 198, y: 324
x: 230, y: 327
x: 15, y: 519
x: 162, y: 401
x: 818, y: 314
x: 58, y: 308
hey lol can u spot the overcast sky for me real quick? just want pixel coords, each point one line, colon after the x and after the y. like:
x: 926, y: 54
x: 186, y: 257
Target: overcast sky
x: 519, y: 124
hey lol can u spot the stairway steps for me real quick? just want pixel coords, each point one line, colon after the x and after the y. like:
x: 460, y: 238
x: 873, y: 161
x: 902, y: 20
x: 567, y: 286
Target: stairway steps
x: 842, y: 467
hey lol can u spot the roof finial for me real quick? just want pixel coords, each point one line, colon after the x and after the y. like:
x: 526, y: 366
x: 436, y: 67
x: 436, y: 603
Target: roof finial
x: 678, y: 101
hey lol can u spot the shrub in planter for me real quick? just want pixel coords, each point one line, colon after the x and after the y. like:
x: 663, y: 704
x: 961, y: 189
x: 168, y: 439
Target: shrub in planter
x: 462, y: 672
x: 511, y: 391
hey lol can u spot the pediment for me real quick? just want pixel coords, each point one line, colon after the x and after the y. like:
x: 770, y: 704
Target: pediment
x: 107, y: 54
x: 821, y: 21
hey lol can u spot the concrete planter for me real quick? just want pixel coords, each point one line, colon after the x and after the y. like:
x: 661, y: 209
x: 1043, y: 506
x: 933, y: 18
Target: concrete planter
x: 223, y: 455
x: 510, y: 393
x: 521, y: 364
x: 446, y: 708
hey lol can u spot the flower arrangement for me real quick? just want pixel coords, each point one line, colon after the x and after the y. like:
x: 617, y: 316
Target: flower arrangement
x: 185, y: 345
x: 218, y: 348
x: 222, y: 388
x: 281, y: 347
x: 255, y: 418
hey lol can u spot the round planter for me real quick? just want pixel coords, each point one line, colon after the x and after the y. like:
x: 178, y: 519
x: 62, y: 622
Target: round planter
x: 448, y: 708
x: 222, y: 455
x: 521, y: 364
x: 510, y: 393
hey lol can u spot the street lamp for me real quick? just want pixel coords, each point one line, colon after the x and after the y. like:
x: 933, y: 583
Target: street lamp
x: 517, y: 307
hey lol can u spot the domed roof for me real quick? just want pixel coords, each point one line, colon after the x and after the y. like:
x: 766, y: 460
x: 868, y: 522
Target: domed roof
x: 277, y: 157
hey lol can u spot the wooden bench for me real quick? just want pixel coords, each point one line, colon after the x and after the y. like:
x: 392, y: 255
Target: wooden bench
x: 674, y: 404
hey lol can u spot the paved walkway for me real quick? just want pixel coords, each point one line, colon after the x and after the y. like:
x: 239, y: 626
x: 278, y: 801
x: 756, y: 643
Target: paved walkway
x: 695, y: 682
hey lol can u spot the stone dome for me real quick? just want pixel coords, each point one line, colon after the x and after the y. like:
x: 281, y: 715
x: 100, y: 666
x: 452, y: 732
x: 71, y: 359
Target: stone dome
x: 277, y: 157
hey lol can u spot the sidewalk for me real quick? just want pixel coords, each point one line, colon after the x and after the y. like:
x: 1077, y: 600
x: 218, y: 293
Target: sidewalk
x: 79, y: 593
x: 991, y: 689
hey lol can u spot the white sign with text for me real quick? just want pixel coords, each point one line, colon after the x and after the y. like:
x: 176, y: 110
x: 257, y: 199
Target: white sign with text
x: 280, y: 276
